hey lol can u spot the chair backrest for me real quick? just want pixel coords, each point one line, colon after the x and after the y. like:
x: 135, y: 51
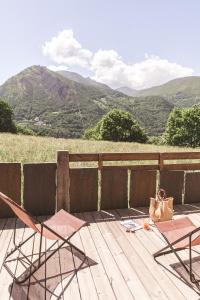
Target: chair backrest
x: 19, y: 211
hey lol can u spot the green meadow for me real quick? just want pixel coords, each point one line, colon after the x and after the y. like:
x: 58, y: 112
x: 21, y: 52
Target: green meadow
x: 21, y: 148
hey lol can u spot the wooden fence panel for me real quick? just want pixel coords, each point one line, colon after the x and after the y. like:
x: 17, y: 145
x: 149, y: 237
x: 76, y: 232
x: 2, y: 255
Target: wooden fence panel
x: 114, y: 188
x: 173, y: 183
x: 40, y: 188
x: 10, y: 184
x: 142, y: 187
x: 192, y: 188
x: 83, y: 189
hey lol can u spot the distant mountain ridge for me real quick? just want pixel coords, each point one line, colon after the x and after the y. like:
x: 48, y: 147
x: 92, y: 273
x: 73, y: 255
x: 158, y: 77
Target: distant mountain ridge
x: 86, y: 81
x: 127, y: 91
x: 181, y: 91
x: 64, y: 104
x: 188, y: 86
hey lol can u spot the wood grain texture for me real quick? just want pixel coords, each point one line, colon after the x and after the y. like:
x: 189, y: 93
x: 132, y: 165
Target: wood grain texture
x: 193, y: 166
x: 62, y: 181
x: 181, y: 155
x: 192, y: 188
x: 114, y: 188
x: 73, y: 157
x: 83, y: 189
x: 10, y: 184
x: 40, y: 188
x: 173, y: 183
x: 133, y: 167
x: 142, y: 187
x: 119, y: 265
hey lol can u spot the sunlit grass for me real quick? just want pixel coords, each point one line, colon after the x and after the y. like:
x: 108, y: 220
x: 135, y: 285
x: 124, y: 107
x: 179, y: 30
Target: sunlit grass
x: 19, y: 148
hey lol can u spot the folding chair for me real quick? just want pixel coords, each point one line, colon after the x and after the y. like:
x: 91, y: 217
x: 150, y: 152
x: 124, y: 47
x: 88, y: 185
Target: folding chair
x: 179, y: 235
x: 62, y: 226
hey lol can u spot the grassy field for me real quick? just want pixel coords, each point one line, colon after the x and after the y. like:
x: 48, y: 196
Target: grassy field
x: 19, y: 148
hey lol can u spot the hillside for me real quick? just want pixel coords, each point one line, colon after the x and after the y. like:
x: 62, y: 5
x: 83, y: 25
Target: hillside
x: 52, y: 104
x: 181, y: 91
x: 153, y: 112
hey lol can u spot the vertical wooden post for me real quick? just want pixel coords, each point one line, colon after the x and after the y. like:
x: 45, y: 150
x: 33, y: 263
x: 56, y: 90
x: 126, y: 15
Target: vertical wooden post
x: 62, y: 181
x: 161, y: 161
x: 100, y: 162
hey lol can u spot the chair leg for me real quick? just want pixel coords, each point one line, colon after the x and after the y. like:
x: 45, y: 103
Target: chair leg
x: 16, y: 248
x: 164, y: 251
x: 31, y: 264
x: 76, y: 248
x: 192, y: 276
x: 172, y: 250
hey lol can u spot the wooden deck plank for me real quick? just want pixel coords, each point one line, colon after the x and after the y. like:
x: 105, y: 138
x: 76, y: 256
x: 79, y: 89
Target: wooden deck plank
x: 3, y: 222
x: 6, y: 281
x: 5, y: 241
x: 169, y: 260
x: 151, y: 244
x: 20, y: 230
x: 118, y: 282
x: 134, y: 284
x: 102, y: 283
x: 38, y: 288
x: 21, y: 291
x: 5, y: 238
x: 85, y: 280
x: 137, y: 258
x: 124, y: 265
x: 70, y: 283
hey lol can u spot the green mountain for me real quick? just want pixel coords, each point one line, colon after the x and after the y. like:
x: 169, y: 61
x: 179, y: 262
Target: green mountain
x: 51, y: 104
x: 64, y: 105
x: 152, y: 112
x: 181, y: 91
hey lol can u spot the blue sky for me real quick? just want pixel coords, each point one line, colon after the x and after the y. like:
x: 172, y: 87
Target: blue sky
x: 135, y: 43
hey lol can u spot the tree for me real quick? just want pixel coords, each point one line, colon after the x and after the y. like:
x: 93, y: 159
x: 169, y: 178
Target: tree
x: 117, y: 125
x: 6, y: 121
x: 183, y: 127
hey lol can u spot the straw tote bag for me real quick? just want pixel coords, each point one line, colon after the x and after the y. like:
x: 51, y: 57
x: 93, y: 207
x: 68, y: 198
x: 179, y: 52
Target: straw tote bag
x: 161, y: 208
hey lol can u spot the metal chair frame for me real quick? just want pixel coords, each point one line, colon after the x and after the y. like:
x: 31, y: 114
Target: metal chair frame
x: 35, y: 268
x: 174, y: 250
x: 18, y: 246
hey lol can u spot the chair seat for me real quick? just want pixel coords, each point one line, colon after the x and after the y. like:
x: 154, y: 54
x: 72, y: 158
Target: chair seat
x: 62, y: 223
x: 175, y: 229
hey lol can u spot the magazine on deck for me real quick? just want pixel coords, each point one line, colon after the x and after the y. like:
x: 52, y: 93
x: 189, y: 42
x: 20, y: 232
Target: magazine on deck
x: 130, y: 224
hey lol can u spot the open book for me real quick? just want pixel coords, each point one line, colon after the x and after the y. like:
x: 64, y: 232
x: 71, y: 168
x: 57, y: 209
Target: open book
x: 130, y: 224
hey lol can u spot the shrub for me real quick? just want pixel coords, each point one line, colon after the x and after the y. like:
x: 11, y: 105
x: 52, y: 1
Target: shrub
x: 6, y: 118
x: 117, y: 125
x: 183, y: 127
x: 21, y: 129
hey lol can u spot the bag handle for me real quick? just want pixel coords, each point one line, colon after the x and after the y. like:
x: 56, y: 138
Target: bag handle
x: 161, y: 195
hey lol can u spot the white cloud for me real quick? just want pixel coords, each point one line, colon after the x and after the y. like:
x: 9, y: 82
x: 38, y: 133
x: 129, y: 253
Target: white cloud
x: 65, y: 49
x: 110, y: 69
x: 57, y: 68
x: 108, y: 66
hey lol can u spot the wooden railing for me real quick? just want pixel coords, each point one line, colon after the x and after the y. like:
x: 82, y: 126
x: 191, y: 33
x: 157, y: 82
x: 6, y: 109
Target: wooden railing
x: 114, y: 180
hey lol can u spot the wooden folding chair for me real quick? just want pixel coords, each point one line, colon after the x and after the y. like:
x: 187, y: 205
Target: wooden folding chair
x: 62, y: 226
x: 179, y: 235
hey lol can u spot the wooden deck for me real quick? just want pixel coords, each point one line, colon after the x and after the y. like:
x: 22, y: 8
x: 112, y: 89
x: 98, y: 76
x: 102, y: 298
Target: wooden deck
x: 119, y: 265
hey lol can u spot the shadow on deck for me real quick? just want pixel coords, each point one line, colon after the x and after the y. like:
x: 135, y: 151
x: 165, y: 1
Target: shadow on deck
x: 119, y: 264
